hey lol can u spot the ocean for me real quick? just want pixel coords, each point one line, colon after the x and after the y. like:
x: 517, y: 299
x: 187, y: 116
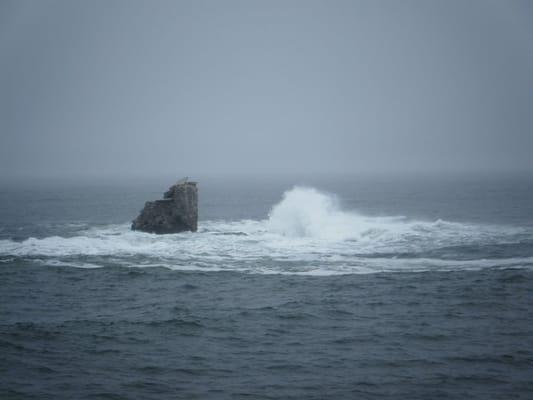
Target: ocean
x: 304, y: 288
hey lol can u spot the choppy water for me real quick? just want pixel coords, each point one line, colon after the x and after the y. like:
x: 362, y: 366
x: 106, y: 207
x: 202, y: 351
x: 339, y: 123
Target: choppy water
x: 365, y: 289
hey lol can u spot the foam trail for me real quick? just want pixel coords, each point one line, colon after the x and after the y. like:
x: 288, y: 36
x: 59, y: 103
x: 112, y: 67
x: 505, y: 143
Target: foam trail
x: 305, y: 233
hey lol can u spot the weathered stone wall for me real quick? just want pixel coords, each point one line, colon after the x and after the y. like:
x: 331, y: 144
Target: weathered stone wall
x: 177, y: 212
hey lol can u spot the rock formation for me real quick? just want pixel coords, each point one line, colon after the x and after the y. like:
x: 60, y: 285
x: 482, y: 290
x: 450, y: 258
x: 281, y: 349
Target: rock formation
x: 177, y: 212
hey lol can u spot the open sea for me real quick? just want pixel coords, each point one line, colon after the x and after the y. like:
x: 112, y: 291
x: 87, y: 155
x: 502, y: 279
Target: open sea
x: 339, y: 288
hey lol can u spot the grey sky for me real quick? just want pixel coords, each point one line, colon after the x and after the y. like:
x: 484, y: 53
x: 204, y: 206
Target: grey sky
x: 115, y: 88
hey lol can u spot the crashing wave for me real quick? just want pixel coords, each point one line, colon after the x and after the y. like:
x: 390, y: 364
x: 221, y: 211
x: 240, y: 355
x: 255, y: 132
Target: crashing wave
x: 307, y: 232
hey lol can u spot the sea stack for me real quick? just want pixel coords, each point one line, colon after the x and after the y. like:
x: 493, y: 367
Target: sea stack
x: 176, y: 212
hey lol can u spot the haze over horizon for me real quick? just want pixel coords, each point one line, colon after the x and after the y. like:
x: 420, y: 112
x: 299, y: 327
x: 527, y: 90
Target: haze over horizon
x: 95, y: 89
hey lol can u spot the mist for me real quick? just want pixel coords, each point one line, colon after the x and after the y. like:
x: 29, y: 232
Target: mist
x: 170, y: 88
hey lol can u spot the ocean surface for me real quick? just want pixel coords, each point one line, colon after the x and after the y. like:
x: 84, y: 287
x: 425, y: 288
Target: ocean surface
x: 339, y: 288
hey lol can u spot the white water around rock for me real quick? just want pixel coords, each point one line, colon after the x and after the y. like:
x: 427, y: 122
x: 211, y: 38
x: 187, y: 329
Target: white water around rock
x: 307, y: 232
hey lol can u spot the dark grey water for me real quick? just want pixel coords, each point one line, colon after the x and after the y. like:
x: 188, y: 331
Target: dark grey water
x: 391, y: 289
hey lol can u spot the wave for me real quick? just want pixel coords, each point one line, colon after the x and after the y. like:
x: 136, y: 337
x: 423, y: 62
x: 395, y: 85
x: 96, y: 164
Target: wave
x: 307, y: 232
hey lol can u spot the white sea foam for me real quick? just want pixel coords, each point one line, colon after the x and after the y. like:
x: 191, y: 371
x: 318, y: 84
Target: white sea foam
x: 59, y: 263
x: 306, y: 233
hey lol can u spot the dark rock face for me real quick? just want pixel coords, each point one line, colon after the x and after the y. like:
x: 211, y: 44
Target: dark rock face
x: 177, y: 212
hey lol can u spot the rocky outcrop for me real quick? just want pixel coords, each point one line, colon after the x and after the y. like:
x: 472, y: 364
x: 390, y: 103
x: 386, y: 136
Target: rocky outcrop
x: 176, y: 212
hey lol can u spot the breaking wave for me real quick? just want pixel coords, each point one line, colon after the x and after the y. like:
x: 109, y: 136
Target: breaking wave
x: 307, y: 233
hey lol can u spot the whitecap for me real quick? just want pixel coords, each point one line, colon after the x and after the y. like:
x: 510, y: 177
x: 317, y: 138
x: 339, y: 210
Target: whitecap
x: 307, y: 233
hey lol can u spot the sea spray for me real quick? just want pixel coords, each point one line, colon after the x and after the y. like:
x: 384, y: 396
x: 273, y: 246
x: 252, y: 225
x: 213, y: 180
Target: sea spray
x: 307, y: 232
x: 309, y: 213
x: 306, y: 212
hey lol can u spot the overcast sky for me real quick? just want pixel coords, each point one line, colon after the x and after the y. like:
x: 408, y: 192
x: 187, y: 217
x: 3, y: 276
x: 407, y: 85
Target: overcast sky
x: 131, y: 88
